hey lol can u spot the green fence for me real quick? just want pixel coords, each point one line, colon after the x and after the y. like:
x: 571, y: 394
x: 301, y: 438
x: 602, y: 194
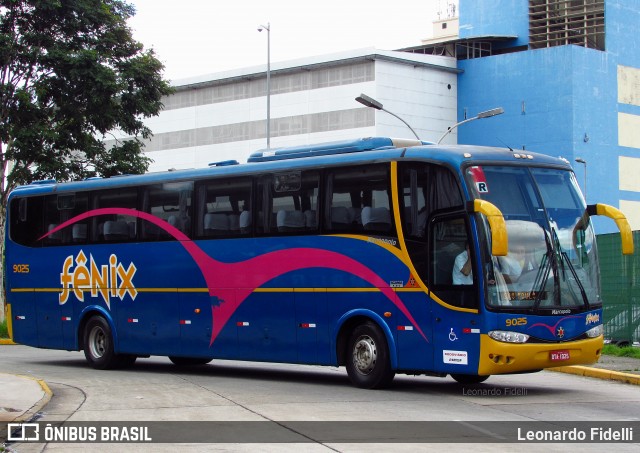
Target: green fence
x: 620, y: 288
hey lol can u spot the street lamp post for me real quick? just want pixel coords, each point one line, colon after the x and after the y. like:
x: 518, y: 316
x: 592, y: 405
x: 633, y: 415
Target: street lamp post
x: 580, y: 160
x: 268, y: 28
x: 370, y: 102
x: 479, y: 116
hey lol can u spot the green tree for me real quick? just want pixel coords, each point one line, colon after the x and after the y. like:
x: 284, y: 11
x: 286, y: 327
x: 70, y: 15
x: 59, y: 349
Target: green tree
x: 71, y: 72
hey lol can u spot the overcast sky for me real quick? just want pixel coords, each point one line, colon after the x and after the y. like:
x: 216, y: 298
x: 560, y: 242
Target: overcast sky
x: 196, y: 37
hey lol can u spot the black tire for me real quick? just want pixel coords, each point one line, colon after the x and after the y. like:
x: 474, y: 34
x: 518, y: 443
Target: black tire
x: 98, y: 344
x: 468, y: 379
x: 189, y: 361
x: 368, y: 361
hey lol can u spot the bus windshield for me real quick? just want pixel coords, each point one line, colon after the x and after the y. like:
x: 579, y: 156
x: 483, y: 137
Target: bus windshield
x: 552, y: 260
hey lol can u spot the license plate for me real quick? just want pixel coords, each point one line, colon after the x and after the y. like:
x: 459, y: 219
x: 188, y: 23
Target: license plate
x: 559, y: 356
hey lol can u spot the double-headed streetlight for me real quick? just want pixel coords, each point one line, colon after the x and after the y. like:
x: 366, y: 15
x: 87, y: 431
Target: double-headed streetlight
x: 268, y: 28
x: 370, y: 102
x: 479, y: 116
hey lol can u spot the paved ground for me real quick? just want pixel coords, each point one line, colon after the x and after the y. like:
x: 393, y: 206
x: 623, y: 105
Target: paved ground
x: 21, y: 396
x: 622, y: 364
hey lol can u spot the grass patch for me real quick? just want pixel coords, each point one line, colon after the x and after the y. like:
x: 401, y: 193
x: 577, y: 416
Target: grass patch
x: 628, y: 351
x: 4, y: 330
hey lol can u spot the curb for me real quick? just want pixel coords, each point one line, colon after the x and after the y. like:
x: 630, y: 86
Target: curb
x: 7, y: 341
x: 48, y: 394
x: 599, y: 373
x: 39, y: 405
x: 30, y: 413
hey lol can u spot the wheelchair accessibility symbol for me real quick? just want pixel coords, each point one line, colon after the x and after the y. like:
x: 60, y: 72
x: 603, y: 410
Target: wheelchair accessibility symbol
x: 452, y: 335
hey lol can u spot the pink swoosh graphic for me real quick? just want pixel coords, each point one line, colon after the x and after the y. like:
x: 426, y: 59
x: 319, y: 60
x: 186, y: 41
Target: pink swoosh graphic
x: 232, y: 283
x: 551, y: 329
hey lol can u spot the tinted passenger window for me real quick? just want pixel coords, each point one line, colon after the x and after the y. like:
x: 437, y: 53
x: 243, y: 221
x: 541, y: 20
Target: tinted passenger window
x: 117, y: 226
x: 224, y: 208
x: 26, y: 225
x: 288, y: 203
x: 171, y: 202
x: 359, y: 199
x: 59, y: 209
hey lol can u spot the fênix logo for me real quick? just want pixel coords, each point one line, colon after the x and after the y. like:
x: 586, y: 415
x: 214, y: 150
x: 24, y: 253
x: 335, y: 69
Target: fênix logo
x: 592, y: 318
x: 111, y: 280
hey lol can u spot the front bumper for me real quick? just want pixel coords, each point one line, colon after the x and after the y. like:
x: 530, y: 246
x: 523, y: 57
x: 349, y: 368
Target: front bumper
x: 502, y: 358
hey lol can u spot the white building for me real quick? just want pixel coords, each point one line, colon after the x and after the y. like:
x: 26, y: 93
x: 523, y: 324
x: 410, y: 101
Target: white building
x: 223, y: 116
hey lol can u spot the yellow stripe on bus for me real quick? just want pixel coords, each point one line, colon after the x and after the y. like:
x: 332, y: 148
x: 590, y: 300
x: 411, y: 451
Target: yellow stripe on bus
x: 206, y: 290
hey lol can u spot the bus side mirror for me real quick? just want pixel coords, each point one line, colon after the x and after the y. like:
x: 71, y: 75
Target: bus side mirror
x: 499, y: 239
x: 621, y: 221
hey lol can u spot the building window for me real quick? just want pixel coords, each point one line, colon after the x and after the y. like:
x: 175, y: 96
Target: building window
x: 280, y: 83
x: 563, y: 22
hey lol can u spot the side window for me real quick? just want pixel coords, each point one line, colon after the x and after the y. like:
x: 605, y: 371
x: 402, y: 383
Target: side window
x: 359, y: 199
x: 451, y: 263
x: 117, y: 226
x: 171, y: 202
x: 426, y: 188
x: 58, y: 209
x: 414, y: 209
x: 288, y: 203
x: 224, y: 208
x: 26, y: 225
x: 450, y: 253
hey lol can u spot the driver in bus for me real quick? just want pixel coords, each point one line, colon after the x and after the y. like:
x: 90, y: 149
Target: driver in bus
x: 510, y: 267
x: 462, y: 273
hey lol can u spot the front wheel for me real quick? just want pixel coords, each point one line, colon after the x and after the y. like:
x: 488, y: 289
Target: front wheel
x: 368, y: 362
x: 468, y: 379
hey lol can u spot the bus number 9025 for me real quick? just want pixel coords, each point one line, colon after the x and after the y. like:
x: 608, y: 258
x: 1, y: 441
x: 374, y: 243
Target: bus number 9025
x: 20, y: 268
x: 516, y: 322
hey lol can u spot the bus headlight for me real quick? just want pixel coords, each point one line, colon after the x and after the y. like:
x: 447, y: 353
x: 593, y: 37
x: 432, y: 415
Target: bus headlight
x: 595, y: 331
x: 508, y: 337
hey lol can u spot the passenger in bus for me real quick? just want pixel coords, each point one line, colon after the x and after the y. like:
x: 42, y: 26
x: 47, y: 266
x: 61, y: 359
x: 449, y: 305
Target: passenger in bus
x: 509, y: 267
x: 524, y: 259
x: 462, y: 272
x: 517, y: 262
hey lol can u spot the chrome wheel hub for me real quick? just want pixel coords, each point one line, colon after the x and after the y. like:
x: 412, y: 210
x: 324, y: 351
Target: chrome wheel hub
x: 365, y: 354
x: 97, y: 341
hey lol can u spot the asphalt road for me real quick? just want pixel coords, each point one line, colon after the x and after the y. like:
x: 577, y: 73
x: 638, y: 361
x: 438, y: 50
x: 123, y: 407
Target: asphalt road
x: 225, y: 391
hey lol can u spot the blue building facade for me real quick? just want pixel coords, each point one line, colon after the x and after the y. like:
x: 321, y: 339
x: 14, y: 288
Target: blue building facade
x: 569, y: 87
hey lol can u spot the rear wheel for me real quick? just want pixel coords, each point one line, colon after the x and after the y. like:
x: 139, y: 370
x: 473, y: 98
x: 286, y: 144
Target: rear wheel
x: 469, y: 379
x: 188, y: 361
x: 368, y: 362
x: 98, y: 346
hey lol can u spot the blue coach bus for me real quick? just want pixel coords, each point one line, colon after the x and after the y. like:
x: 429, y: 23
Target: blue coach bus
x: 384, y: 256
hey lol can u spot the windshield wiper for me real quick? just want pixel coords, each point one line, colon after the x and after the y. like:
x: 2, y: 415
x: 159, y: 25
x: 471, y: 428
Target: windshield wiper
x: 542, y: 277
x: 564, y: 259
x: 549, y: 262
x: 543, y: 269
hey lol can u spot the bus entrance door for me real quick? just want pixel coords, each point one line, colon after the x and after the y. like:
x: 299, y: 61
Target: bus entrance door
x: 456, y: 340
x: 415, y: 351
